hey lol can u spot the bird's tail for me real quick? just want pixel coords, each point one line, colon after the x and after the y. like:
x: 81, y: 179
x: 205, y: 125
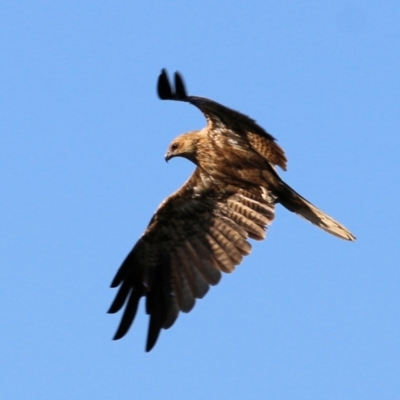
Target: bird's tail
x: 299, y: 205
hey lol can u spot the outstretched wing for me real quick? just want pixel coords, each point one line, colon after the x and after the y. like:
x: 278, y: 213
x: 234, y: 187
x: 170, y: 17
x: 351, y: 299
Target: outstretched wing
x: 194, y: 235
x: 220, y: 117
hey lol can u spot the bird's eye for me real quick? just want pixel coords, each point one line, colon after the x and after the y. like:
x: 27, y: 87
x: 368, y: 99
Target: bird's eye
x: 174, y: 146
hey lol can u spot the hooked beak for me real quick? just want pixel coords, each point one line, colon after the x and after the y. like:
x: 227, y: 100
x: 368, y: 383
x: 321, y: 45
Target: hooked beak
x: 168, y: 156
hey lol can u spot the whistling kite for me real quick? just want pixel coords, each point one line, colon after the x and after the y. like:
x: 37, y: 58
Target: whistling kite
x: 202, y: 229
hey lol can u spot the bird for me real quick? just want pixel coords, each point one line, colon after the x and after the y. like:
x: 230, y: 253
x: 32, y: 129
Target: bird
x: 203, y: 229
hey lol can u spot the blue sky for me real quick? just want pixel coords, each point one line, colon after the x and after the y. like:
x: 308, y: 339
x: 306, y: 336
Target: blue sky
x: 83, y: 135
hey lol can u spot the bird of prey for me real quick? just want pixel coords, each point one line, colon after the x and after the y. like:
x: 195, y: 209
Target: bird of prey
x: 203, y: 228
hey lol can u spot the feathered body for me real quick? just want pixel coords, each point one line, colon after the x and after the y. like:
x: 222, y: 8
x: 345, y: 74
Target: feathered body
x: 202, y: 229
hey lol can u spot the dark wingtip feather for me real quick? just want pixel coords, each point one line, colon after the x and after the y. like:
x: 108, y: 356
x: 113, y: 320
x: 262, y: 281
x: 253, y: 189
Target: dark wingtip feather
x: 153, y: 332
x: 117, y: 279
x: 120, y: 298
x: 129, y: 315
x: 167, y: 92
x: 164, y: 89
x: 180, y: 87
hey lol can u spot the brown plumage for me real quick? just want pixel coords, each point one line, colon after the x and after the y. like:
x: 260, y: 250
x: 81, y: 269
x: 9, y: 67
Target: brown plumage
x: 202, y: 229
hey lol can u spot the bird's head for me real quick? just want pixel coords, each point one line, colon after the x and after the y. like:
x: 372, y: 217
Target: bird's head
x: 184, y: 146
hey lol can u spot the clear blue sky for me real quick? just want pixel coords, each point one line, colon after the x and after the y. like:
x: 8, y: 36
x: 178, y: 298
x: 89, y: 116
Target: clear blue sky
x: 83, y: 135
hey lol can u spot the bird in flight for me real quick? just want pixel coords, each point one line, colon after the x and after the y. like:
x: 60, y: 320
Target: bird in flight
x: 203, y: 228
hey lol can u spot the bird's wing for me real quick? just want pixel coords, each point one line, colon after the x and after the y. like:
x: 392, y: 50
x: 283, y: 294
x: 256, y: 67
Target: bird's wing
x: 194, y: 235
x: 221, y: 118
